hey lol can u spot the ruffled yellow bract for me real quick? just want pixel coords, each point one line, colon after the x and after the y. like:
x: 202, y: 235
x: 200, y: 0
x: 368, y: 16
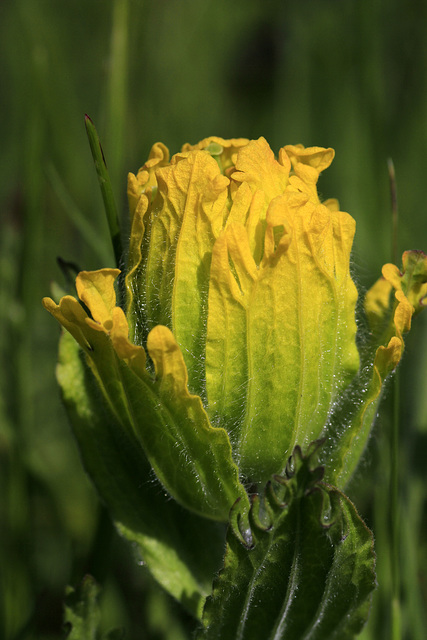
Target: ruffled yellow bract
x: 238, y: 288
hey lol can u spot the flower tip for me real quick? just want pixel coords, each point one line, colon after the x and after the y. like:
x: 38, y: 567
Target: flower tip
x: 48, y: 303
x: 418, y: 252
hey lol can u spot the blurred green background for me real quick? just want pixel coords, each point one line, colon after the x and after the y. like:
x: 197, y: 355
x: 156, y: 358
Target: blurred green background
x: 351, y: 74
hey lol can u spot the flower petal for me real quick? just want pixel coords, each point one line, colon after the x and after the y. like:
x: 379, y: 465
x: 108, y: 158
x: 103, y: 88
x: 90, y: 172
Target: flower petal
x: 296, y: 307
x: 413, y: 278
x: 377, y: 303
x: 145, y: 180
x: 256, y: 165
x: 70, y: 313
x: 316, y: 157
x: 307, y: 164
x: 193, y: 196
x: 96, y: 290
x: 228, y: 154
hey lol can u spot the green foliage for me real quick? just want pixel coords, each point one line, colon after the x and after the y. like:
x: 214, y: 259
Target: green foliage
x: 172, y: 542
x: 309, y: 574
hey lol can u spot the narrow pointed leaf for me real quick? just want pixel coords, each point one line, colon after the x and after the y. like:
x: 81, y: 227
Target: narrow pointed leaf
x: 106, y: 188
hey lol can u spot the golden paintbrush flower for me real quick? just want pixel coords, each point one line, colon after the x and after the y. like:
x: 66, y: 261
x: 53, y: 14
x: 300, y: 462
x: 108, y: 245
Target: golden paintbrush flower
x: 238, y: 289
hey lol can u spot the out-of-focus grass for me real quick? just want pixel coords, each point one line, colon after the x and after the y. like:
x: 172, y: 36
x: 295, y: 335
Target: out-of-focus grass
x: 346, y: 74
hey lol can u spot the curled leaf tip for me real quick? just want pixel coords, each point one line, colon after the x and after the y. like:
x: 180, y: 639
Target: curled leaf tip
x: 240, y: 524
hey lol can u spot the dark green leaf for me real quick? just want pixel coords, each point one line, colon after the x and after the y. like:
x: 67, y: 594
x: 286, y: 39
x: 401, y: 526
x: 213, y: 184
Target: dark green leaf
x: 309, y: 575
x: 182, y: 550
